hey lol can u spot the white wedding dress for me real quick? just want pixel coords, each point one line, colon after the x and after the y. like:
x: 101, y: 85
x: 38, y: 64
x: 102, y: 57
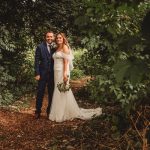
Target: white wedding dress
x: 64, y: 106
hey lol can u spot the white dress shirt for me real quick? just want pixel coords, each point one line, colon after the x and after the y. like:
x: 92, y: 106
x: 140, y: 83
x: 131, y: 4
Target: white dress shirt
x: 48, y: 47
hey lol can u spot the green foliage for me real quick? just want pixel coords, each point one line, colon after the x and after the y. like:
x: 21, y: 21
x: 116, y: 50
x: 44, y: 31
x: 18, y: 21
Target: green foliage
x: 16, y: 71
x: 109, y: 91
x: 115, y: 45
x: 77, y: 72
x: 117, y: 55
x: 78, y: 53
x: 134, y: 70
x: 22, y: 26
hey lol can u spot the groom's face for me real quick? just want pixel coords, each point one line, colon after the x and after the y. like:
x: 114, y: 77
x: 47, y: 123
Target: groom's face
x: 49, y: 37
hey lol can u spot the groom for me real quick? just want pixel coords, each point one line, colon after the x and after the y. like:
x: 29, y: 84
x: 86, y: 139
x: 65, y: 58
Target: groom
x: 44, y: 72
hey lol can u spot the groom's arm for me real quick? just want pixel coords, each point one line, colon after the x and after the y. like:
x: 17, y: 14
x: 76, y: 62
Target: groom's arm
x: 37, y: 60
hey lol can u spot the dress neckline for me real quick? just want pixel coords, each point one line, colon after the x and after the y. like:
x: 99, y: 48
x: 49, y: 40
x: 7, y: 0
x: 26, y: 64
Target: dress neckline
x: 59, y: 51
x: 62, y: 52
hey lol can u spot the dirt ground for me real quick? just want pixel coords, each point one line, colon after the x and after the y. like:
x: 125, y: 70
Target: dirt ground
x: 20, y: 131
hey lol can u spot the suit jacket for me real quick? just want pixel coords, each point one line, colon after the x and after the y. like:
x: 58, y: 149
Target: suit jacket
x: 44, y: 63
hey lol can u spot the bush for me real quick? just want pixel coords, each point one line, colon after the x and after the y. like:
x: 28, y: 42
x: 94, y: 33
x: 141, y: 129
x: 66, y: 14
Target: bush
x: 117, y: 56
x: 77, y: 72
x: 16, y: 70
x: 116, y: 51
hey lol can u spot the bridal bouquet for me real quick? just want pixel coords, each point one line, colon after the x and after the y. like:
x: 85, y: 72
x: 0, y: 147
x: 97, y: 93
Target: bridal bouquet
x: 63, y: 87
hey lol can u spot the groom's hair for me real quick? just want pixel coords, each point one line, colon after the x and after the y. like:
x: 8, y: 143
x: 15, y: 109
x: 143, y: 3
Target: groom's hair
x: 48, y: 32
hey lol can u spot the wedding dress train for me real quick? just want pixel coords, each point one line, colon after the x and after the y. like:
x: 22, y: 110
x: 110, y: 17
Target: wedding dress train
x: 64, y: 106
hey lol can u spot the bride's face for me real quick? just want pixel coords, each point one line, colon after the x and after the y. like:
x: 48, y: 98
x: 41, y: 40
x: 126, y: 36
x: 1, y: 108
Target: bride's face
x: 59, y: 39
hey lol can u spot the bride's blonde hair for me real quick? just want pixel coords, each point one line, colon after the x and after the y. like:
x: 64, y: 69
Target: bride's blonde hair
x: 65, y: 41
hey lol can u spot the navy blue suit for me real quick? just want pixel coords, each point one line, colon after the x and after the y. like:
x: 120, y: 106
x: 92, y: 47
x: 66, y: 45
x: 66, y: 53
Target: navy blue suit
x: 44, y: 65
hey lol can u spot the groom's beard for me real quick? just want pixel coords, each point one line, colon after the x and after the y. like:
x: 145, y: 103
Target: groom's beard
x: 49, y: 42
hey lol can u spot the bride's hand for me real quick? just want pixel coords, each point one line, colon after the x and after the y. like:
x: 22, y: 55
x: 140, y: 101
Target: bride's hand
x: 65, y: 79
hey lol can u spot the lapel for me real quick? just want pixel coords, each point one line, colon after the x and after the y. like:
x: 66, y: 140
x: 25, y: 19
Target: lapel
x: 49, y: 55
x: 46, y: 50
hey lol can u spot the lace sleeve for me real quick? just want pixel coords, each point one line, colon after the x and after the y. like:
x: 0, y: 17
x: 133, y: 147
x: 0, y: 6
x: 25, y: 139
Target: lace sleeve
x: 70, y: 58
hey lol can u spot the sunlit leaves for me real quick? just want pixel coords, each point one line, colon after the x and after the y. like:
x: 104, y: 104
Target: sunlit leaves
x: 118, y: 58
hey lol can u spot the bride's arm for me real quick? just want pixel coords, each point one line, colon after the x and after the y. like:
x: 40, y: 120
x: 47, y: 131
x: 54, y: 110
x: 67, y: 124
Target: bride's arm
x: 65, y: 61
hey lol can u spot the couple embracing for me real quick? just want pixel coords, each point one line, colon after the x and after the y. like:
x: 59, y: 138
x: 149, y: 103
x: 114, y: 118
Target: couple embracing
x: 53, y: 63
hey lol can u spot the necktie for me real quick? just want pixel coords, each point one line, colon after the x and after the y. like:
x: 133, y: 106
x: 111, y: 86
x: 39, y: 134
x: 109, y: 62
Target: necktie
x: 50, y: 47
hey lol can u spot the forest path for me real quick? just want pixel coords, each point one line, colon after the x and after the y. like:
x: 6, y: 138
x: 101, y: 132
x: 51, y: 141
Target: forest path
x: 20, y: 131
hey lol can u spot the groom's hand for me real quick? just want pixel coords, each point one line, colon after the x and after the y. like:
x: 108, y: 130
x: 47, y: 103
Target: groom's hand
x: 37, y: 77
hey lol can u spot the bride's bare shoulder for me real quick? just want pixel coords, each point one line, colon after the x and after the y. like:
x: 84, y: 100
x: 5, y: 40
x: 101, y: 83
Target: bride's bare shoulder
x: 66, y: 49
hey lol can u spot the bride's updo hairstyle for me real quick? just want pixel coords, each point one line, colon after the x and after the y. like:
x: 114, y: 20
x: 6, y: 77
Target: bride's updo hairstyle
x: 65, y: 41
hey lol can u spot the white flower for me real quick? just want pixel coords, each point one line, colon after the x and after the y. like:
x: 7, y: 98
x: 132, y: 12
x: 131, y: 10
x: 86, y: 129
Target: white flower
x: 63, y: 87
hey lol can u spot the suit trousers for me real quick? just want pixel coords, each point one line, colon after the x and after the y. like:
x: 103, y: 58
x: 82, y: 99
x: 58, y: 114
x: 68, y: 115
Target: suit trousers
x: 49, y: 82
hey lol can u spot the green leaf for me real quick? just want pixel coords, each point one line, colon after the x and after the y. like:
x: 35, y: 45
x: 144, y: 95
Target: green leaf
x: 120, y: 69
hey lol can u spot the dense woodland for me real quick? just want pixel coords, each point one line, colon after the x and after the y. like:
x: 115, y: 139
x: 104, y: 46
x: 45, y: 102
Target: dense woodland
x: 111, y: 40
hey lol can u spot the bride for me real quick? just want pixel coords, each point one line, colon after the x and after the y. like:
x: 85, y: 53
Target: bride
x: 64, y: 106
